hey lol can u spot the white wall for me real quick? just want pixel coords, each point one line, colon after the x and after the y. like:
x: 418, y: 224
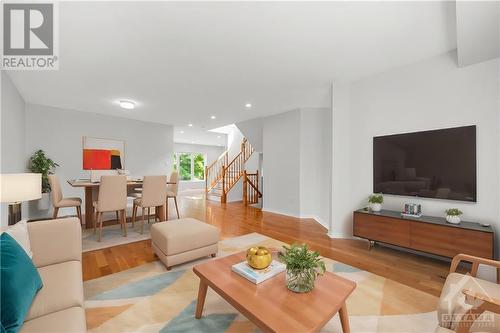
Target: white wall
x: 212, y: 153
x: 12, y: 118
x: 341, y: 205
x: 428, y: 95
x: 315, y: 164
x: 281, y: 163
x: 296, y: 162
x: 148, y: 146
x: 252, y: 130
x: 478, y: 31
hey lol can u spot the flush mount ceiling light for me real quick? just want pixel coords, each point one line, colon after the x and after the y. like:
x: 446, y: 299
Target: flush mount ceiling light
x: 248, y: 106
x: 128, y: 105
x: 182, y: 132
x: 212, y: 117
x: 218, y: 136
x: 190, y: 125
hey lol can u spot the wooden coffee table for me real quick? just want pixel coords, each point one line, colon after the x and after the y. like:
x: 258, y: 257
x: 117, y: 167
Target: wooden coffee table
x: 270, y: 305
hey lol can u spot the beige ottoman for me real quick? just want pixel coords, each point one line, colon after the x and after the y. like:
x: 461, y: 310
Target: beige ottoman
x: 179, y: 241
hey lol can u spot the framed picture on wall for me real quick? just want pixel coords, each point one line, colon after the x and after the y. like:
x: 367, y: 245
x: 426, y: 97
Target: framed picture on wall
x: 103, y: 154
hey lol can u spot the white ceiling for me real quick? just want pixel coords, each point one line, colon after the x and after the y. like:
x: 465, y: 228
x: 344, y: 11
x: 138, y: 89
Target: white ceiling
x: 185, y: 61
x: 199, y: 136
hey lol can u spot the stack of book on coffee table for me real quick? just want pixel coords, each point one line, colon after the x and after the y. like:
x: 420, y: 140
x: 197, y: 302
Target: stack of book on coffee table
x: 258, y: 275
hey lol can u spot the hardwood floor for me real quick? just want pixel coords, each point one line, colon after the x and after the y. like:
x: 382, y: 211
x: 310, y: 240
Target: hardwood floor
x: 234, y: 219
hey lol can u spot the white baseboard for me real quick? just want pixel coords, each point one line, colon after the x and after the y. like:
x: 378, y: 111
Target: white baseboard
x: 264, y: 209
x: 317, y: 219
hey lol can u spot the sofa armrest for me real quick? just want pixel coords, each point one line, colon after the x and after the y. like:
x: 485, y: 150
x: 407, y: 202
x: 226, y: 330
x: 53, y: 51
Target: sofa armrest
x: 476, y: 261
x: 483, y: 301
x: 55, y: 241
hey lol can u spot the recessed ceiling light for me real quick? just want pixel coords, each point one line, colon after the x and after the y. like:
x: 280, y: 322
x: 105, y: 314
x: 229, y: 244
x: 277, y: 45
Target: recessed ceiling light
x: 129, y: 105
x: 212, y: 117
x: 248, y: 105
x: 218, y: 136
x: 182, y: 132
x: 190, y: 125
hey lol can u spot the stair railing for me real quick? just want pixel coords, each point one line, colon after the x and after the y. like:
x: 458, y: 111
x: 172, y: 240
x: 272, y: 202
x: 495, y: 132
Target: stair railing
x: 232, y: 173
x: 214, y: 172
x: 251, y: 192
x: 227, y: 173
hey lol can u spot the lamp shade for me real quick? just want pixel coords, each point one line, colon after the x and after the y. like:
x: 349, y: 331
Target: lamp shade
x: 17, y: 187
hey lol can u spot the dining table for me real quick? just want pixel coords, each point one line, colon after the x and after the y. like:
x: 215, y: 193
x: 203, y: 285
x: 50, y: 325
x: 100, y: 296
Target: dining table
x: 91, y: 189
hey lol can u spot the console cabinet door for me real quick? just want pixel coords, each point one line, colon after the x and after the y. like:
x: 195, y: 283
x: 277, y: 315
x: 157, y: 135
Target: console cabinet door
x: 382, y: 229
x: 450, y: 241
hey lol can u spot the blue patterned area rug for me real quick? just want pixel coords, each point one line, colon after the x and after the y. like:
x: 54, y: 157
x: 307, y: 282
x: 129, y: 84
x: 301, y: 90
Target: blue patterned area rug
x: 147, y: 298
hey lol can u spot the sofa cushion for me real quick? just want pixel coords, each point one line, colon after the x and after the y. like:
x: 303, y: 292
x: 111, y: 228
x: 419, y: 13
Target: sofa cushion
x: 452, y: 303
x: 62, y: 289
x: 70, y: 320
x: 20, y: 282
x: 173, y: 237
x: 19, y: 232
x: 55, y: 241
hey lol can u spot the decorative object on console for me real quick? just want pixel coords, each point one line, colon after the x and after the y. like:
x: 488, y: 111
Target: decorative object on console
x: 40, y: 163
x: 453, y: 215
x: 302, y: 267
x: 18, y: 187
x: 375, y: 201
x: 103, y: 154
x: 412, y: 210
x: 259, y: 257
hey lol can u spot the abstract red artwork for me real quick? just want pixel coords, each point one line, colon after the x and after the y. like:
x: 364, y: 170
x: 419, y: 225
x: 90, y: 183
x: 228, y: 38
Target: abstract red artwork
x: 96, y: 159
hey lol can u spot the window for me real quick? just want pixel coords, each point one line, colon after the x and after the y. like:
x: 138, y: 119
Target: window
x: 191, y: 166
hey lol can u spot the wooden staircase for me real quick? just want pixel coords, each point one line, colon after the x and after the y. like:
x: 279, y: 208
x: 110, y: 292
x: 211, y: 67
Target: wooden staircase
x: 222, y: 175
x: 251, y: 192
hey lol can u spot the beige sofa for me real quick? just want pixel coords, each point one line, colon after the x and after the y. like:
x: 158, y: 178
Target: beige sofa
x: 467, y: 303
x: 57, y: 254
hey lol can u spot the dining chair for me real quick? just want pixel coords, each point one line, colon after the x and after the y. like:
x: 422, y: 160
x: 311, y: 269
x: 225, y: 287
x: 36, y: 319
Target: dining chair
x: 154, y: 194
x: 172, y: 190
x: 112, y: 197
x: 59, y: 202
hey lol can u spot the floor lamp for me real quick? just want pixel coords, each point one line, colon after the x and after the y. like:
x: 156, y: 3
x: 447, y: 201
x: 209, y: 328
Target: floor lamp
x: 18, y: 187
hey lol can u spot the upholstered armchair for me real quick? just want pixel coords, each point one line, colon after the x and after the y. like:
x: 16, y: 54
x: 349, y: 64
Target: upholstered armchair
x: 467, y: 303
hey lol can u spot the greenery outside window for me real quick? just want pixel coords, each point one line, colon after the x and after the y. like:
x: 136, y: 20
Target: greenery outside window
x: 191, y: 166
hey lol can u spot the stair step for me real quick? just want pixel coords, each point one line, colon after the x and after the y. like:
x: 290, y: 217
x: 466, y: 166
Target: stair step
x: 214, y: 198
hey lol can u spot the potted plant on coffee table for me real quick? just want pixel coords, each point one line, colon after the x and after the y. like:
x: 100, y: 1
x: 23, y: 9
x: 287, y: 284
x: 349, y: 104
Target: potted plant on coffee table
x: 40, y: 163
x: 453, y: 215
x: 375, y: 201
x: 302, y: 267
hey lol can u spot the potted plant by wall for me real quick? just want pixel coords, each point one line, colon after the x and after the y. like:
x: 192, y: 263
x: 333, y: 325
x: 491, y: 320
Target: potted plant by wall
x: 302, y: 267
x: 453, y: 215
x: 375, y: 201
x: 40, y: 163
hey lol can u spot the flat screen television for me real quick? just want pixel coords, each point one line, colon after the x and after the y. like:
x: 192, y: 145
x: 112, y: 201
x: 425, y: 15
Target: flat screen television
x: 431, y: 164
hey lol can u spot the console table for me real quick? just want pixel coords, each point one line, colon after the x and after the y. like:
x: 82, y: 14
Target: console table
x: 428, y: 234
